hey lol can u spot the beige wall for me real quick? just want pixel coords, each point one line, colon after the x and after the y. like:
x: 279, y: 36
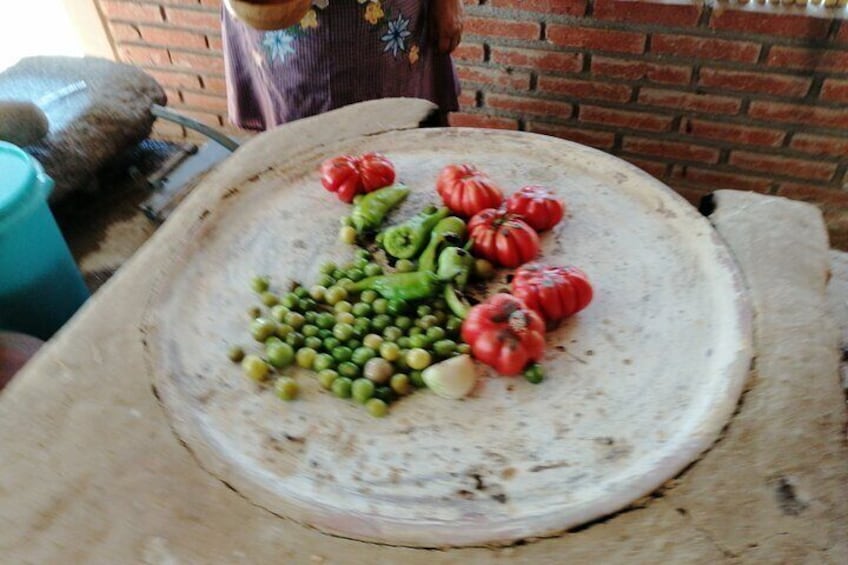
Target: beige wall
x: 90, y: 24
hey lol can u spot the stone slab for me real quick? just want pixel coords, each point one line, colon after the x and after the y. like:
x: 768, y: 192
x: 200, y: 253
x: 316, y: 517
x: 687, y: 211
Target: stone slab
x: 90, y: 470
x: 837, y: 296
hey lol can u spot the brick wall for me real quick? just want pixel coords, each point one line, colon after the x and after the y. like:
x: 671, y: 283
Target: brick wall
x: 701, y: 97
x: 179, y: 43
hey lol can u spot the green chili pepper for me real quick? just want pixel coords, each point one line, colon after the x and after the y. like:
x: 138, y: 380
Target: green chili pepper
x: 456, y: 302
x: 455, y: 265
x: 405, y: 241
x: 372, y: 209
x: 402, y: 286
x: 448, y: 230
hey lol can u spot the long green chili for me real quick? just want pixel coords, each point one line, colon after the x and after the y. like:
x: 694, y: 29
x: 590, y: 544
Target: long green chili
x: 372, y: 209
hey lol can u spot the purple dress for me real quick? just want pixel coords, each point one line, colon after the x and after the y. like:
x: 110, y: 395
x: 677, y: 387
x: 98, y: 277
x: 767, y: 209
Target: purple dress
x: 341, y: 52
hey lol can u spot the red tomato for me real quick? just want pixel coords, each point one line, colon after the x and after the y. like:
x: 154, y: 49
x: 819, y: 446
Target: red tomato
x: 466, y: 191
x: 553, y: 292
x: 348, y: 176
x: 503, y: 238
x: 341, y: 175
x: 504, y: 334
x: 376, y: 172
x: 537, y: 206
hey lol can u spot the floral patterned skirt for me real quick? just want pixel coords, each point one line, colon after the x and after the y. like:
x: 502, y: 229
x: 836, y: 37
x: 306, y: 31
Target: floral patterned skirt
x: 341, y: 52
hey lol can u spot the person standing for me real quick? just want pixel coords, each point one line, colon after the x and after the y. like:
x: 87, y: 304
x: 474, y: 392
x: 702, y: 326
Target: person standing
x: 341, y: 52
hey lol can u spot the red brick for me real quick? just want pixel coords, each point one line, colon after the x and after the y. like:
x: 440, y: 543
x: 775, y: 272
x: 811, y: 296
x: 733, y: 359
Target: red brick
x: 637, y: 13
x: 641, y: 70
x: 735, y: 133
x: 599, y: 139
x: 624, y: 118
x: 203, y: 101
x: 202, y: 18
x: 690, y: 101
x: 807, y: 59
x: 820, y: 144
x: 170, y: 37
x: 133, y: 12
x: 464, y: 120
x: 842, y: 34
x: 834, y: 90
x: 468, y: 99
x: 538, y: 106
x: 175, y: 79
x: 502, y: 28
x: 537, y: 59
x: 237, y: 132
x: 670, y: 149
x: 214, y: 85
x: 173, y: 95
x: 654, y: 168
x: 699, y: 48
x: 215, y: 42
x: 471, y: 52
x: 596, y: 39
x: 787, y: 166
x: 139, y: 55
x: 558, y: 7
x: 815, y: 194
x: 211, y: 63
x: 125, y: 32
x: 515, y: 80
x: 584, y: 89
x: 168, y: 131
x: 782, y: 85
x: 786, y: 25
x: 716, y: 180
x: 798, y: 114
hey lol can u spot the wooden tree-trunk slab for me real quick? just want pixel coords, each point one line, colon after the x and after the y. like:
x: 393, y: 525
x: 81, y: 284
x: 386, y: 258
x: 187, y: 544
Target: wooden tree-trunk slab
x: 639, y: 384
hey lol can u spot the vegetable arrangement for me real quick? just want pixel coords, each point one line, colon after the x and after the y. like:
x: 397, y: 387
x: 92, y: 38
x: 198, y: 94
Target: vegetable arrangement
x: 398, y: 317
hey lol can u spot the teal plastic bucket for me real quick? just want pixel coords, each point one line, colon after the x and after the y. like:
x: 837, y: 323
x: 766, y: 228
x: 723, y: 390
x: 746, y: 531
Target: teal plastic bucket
x: 40, y: 284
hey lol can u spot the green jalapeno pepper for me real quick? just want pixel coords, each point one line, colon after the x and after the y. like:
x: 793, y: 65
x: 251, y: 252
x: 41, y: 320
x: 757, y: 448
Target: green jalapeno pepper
x: 456, y: 302
x: 405, y: 240
x: 455, y: 265
x: 371, y: 210
x: 401, y: 286
x: 450, y: 230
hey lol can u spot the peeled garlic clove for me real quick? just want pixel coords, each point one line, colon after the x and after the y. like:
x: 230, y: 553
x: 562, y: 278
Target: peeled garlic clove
x: 453, y: 378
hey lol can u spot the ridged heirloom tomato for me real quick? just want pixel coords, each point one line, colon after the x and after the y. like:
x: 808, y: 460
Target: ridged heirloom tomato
x: 503, y: 238
x: 466, y: 190
x: 348, y: 175
x: 537, y: 206
x: 504, y: 334
x: 376, y: 172
x: 553, y: 292
x: 341, y: 175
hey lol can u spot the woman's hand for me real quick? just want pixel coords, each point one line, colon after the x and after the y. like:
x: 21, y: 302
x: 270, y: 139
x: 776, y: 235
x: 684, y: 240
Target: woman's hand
x: 446, y: 22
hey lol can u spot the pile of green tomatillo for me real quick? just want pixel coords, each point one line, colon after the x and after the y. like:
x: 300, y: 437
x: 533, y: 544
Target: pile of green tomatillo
x: 360, y: 345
